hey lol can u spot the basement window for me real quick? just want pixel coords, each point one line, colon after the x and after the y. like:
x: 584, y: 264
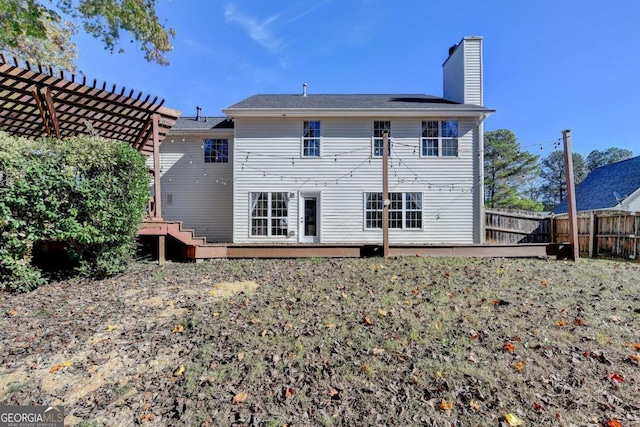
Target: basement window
x: 216, y: 150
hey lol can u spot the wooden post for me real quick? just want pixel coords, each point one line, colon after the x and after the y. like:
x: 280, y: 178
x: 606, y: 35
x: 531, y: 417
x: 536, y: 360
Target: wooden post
x: 162, y: 245
x: 157, y: 193
x: 385, y: 193
x: 552, y: 229
x: 571, y: 196
x: 593, y: 235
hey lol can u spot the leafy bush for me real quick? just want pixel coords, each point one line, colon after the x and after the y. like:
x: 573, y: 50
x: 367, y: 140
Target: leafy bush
x: 86, y: 191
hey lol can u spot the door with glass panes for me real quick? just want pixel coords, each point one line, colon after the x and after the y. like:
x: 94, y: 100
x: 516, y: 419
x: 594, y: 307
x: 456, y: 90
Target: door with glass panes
x: 309, y: 217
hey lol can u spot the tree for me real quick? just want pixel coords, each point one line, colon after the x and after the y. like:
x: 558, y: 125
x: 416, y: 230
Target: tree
x: 55, y: 49
x: 103, y: 19
x: 506, y: 169
x: 554, y: 184
x: 596, y: 158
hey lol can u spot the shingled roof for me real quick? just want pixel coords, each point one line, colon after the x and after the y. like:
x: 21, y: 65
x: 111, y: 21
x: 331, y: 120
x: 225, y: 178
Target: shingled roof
x: 353, y: 103
x: 598, y: 189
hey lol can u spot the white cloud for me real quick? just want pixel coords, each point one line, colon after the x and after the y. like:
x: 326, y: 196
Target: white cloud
x: 262, y: 32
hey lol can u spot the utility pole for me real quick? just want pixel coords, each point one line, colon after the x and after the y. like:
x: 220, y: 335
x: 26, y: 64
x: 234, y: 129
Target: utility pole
x: 385, y: 193
x: 571, y: 196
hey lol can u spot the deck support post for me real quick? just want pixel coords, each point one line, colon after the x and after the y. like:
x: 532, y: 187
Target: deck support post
x: 571, y: 196
x: 385, y: 193
x: 162, y: 256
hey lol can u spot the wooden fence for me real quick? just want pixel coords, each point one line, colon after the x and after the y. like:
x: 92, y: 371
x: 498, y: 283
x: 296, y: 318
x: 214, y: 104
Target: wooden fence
x: 508, y: 227
x: 600, y: 233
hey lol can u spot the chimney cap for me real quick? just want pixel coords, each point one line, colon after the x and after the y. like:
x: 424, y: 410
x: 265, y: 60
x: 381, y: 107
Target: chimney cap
x: 304, y: 89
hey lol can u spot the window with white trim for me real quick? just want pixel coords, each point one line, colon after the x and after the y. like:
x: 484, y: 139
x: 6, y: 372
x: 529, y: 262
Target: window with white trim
x: 439, y: 138
x: 216, y: 150
x: 379, y: 126
x: 405, y: 210
x: 269, y: 214
x: 311, y: 138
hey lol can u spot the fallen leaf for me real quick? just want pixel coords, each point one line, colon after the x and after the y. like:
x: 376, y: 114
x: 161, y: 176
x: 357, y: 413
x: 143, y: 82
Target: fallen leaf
x: 382, y: 313
x: 378, y: 351
x: 333, y: 392
x: 612, y: 423
x: 363, y: 367
x: 543, y: 283
x: 437, y: 325
x: 178, y: 329
x: 636, y: 346
x: 616, y: 378
x: 474, y: 405
x: 538, y: 407
x: 634, y: 357
x: 12, y: 312
x: 240, y: 356
x: 513, y: 420
x: 67, y: 363
x: 55, y: 368
x: 615, y: 319
x: 519, y: 366
x: 509, y: 347
x: 578, y: 322
x: 331, y: 325
x: 367, y: 321
x: 147, y: 418
x: 264, y: 332
x: 110, y: 328
x: 240, y: 397
x: 289, y: 393
x: 560, y: 323
x: 216, y: 314
x: 445, y: 406
x: 415, y: 291
x: 178, y: 372
x: 379, y: 267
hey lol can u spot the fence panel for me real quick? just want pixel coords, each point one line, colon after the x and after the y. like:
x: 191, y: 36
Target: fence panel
x: 508, y: 227
x: 603, y: 233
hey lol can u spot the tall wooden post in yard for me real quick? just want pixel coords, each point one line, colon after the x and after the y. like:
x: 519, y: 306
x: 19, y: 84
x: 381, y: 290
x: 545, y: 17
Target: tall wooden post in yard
x: 157, y: 191
x: 571, y: 196
x: 385, y: 193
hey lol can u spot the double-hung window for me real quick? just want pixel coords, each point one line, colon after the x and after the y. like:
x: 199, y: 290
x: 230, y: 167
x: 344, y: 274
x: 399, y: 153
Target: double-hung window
x: 405, y: 210
x: 379, y: 127
x: 311, y: 138
x: 216, y: 150
x: 440, y: 138
x: 269, y: 214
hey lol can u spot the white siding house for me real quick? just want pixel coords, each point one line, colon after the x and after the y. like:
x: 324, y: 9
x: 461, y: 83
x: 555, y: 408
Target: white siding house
x: 308, y: 167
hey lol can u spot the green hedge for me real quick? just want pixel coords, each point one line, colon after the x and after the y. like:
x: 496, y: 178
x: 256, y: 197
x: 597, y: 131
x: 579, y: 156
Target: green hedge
x: 86, y: 191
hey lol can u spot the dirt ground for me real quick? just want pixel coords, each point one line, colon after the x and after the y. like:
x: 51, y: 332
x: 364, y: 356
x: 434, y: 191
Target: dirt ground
x: 406, y: 341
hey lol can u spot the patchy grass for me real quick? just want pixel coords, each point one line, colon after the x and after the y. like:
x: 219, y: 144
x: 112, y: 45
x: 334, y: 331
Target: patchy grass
x: 407, y: 341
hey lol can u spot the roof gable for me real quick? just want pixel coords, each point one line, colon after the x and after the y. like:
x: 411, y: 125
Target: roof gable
x: 598, y: 189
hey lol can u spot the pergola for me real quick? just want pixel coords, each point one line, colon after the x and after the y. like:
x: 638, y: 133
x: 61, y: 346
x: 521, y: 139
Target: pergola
x: 37, y: 101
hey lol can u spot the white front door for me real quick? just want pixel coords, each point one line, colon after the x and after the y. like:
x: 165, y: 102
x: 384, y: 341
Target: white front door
x: 309, y: 217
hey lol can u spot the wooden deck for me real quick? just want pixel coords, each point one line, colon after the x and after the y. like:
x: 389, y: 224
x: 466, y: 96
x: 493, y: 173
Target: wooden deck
x: 197, y: 249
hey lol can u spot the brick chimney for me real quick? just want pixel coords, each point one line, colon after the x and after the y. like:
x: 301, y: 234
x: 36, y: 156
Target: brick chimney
x: 462, y: 72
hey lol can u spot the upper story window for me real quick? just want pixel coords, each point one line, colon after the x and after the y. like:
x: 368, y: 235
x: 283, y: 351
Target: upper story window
x: 440, y: 138
x: 311, y: 138
x: 379, y: 126
x: 216, y: 150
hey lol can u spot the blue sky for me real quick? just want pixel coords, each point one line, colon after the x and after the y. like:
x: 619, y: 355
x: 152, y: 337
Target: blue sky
x: 549, y: 65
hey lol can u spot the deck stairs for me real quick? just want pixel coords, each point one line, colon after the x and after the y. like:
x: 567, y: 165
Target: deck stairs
x: 195, y: 248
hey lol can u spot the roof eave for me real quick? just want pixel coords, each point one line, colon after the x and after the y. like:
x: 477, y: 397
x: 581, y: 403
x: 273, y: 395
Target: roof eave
x: 353, y: 112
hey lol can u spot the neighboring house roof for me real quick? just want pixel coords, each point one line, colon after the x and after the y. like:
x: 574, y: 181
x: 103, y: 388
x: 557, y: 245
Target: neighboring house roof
x: 202, y: 123
x: 374, y: 103
x: 598, y: 190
